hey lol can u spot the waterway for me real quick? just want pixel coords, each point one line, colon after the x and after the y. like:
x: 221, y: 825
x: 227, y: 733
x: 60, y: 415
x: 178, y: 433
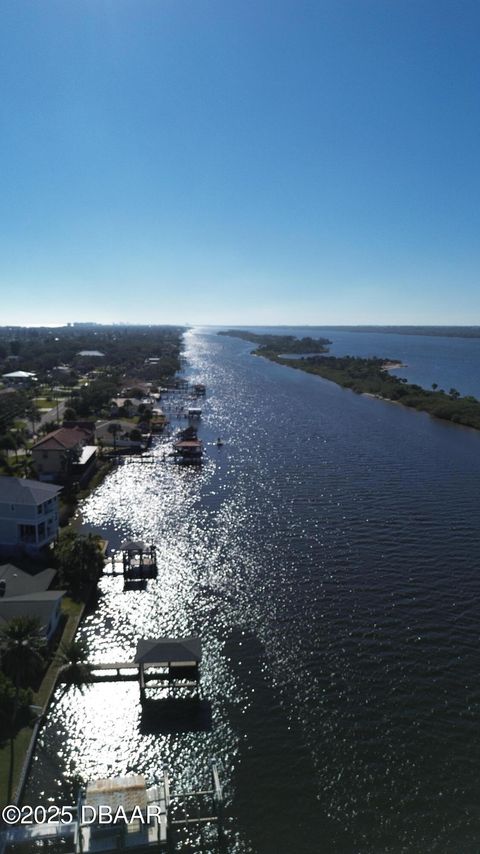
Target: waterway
x: 327, y: 554
x: 426, y: 359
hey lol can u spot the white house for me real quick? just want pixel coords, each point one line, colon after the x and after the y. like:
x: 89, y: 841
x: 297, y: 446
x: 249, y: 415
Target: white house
x: 19, y: 378
x: 28, y: 513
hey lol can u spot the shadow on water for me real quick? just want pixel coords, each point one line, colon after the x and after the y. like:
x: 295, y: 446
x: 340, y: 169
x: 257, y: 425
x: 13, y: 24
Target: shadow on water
x: 175, y: 715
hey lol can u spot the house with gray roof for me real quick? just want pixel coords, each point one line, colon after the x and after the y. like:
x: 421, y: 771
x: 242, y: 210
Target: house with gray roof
x: 44, y: 606
x: 16, y: 582
x: 28, y: 514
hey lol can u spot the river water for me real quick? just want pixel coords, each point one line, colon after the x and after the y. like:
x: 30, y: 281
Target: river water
x: 448, y: 362
x: 327, y: 554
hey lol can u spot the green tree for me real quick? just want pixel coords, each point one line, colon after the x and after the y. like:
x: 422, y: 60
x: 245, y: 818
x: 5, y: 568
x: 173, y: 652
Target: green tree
x: 114, y: 429
x: 22, y: 647
x: 8, y: 443
x: 79, y: 559
x: 26, y: 466
x: 69, y: 458
x: 7, y: 701
x: 76, y: 671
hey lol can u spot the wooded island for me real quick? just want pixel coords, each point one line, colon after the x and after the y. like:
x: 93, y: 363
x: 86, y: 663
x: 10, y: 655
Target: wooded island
x: 364, y: 376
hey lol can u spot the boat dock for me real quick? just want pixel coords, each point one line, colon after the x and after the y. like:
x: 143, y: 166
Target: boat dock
x: 122, y: 812
x: 159, y: 663
x: 136, y: 561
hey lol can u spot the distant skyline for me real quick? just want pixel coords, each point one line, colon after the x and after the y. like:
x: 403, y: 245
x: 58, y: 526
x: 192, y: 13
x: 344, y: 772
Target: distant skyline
x: 240, y: 162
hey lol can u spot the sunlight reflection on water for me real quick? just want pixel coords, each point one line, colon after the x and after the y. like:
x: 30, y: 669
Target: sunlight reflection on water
x: 324, y: 555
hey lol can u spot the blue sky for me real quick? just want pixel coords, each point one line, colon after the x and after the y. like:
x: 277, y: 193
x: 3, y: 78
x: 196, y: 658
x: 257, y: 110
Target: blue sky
x: 231, y: 161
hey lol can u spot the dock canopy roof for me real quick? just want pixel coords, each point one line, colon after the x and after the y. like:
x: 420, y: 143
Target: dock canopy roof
x: 166, y: 650
x: 134, y: 546
x: 188, y: 443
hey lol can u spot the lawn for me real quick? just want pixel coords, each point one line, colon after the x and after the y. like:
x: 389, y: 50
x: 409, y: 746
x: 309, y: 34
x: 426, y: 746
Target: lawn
x: 73, y: 612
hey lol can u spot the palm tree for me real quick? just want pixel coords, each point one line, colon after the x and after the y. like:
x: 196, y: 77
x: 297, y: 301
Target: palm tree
x: 114, y: 429
x: 26, y: 465
x: 8, y: 443
x: 76, y: 671
x: 21, y: 647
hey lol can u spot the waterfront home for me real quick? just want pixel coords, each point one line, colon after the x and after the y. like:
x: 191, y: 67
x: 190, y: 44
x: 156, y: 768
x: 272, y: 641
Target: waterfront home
x: 129, y: 406
x: 28, y: 514
x: 126, y: 405
x: 44, y: 606
x: 188, y: 450
x: 64, y: 453
x: 16, y: 582
x: 118, y: 434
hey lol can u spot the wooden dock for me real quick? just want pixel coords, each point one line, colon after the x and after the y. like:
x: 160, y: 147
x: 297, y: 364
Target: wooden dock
x: 154, y: 817
x: 136, y: 561
x: 159, y: 663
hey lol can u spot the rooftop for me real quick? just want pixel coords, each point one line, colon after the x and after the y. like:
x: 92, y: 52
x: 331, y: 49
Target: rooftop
x: 39, y: 605
x: 16, y: 490
x: 164, y: 650
x: 62, y: 439
x: 19, y: 375
x: 20, y: 583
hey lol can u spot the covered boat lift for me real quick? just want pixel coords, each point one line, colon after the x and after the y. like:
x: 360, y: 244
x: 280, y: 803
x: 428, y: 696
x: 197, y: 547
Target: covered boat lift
x: 165, y: 662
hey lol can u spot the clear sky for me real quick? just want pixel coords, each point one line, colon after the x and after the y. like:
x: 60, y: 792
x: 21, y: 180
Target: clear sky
x: 240, y: 161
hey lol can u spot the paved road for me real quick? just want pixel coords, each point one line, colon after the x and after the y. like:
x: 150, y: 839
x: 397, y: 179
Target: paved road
x: 51, y: 415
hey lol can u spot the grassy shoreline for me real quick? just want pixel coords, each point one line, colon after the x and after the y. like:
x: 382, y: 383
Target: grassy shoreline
x: 23, y: 746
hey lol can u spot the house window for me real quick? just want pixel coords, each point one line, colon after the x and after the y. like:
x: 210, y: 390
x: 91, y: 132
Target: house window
x: 45, y: 455
x: 27, y: 533
x: 41, y: 531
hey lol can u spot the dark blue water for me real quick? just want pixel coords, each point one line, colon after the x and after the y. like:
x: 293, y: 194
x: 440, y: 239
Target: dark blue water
x: 449, y: 362
x: 328, y: 555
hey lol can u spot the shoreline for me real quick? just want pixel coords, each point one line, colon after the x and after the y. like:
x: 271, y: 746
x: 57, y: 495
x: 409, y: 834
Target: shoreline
x: 371, y: 377
x: 393, y: 366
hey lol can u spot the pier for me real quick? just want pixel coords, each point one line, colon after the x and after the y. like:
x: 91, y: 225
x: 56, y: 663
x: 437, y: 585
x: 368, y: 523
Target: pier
x: 159, y: 663
x: 136, y: 561
x: 123, y: 812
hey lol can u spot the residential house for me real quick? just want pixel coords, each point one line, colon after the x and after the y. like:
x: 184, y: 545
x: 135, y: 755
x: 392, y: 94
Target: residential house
x: 65, y: 453
x: 25, y: 595
x: 19, y: 378
x: 117, y: 434
x: 16, y: 582
x: 28, y: 514
x: 129, y: 406
x: 45, y: 607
